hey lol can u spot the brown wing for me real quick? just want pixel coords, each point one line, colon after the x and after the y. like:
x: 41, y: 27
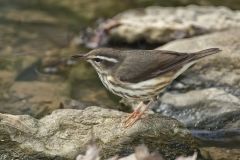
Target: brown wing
x: 148, y: 64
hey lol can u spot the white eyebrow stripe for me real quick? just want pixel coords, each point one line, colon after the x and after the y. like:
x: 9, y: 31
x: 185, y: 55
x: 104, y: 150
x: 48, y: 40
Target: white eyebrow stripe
x: 107, y: 59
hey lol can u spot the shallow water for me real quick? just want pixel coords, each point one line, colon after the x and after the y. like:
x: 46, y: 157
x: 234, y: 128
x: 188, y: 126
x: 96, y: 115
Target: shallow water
x: 220, y: 138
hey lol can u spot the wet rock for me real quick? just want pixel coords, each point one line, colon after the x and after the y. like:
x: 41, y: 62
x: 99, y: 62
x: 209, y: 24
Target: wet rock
x: 197, y: 96
x: 65, y: 133
x: 221, y: 153
x: 207, y: 95
x: 203, y: 109
x: 164, y: 24
x: 34, y: 98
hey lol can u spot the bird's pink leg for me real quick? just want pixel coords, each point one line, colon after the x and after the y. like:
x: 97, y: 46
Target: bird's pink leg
x: 136, y: 115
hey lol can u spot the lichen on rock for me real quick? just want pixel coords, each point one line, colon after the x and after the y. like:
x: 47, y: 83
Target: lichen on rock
x: 65, y: 133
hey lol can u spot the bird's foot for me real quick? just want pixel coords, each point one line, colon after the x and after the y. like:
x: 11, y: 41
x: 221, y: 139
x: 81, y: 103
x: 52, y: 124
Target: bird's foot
x: 135, y: 116
x: 132, y: 118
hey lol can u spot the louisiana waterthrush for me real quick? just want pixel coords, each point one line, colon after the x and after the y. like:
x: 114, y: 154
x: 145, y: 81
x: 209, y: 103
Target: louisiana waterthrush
x: 140, y: 75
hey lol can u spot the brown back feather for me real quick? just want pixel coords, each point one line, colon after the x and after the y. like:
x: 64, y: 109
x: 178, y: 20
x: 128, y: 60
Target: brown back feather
x: 146, y: 64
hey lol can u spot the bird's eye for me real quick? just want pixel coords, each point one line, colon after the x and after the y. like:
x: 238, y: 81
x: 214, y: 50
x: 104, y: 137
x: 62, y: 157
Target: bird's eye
x: 97, y: 60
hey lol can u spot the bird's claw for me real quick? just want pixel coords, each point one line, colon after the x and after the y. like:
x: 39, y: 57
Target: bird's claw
x: 131, y: 119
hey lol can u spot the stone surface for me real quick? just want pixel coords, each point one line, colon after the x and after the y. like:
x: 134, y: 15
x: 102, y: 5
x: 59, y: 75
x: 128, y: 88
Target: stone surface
x: 221, y: 153
x: 141, y: 153
x: 10, y: 150
x: 207, y: 95
x: 65, y: 133
x: 34, y: 98
x: 163, y: 24
x: 203, y: 109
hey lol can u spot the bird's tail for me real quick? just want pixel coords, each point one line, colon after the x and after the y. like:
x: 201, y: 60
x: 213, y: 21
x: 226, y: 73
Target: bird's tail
x: 204, y: 53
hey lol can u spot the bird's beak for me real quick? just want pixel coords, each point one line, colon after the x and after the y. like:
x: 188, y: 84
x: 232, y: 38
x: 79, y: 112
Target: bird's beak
x: 79, y: 56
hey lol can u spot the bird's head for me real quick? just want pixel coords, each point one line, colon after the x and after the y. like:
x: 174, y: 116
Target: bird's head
x: 104, y: 60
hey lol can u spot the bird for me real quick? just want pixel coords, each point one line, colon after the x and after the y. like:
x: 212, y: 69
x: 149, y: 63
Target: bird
x: 140, y: 75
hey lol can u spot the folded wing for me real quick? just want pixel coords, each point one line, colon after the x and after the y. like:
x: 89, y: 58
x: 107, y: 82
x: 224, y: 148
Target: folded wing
x: 149, y: 64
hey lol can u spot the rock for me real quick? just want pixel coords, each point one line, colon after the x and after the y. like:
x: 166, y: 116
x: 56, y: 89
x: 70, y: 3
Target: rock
x: 207, y: 95
x: 11, y: 150
x: 164, y: 24
x: 221, y: 153
x: 34, y: 98
x: 197, y: 96
x: 202, y: 109
x: 66, y: 132
x: 141, y: 153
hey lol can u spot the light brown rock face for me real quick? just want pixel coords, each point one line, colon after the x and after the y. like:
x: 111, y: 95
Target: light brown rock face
x: 163, y: 24
x: 34, y: 98
x: 65, y: 133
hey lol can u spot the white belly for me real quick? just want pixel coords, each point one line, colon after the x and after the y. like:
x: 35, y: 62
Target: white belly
x: 142, y: 90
